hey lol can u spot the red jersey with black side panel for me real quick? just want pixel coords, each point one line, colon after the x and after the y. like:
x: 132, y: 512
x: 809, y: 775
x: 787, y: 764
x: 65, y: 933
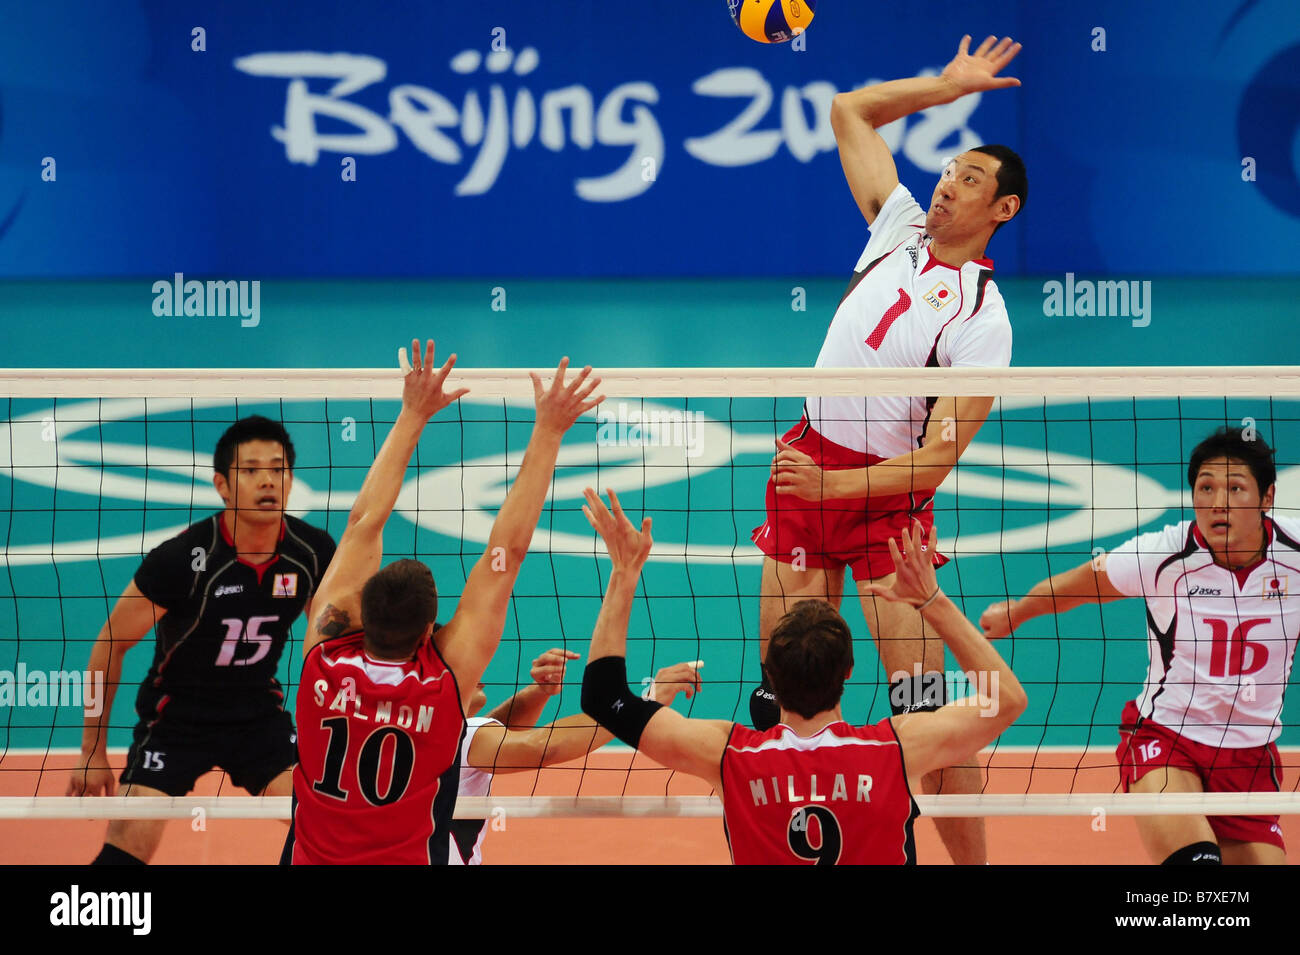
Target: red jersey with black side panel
x: 378, y: 756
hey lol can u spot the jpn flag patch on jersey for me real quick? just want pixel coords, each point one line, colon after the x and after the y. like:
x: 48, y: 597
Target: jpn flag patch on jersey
x: 940, y: 297
x: 285, y: 585
x: 1275, y: 588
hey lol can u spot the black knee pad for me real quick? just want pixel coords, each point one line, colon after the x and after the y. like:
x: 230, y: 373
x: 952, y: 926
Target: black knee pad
x: 917, y: 694
x: 1198, y: 853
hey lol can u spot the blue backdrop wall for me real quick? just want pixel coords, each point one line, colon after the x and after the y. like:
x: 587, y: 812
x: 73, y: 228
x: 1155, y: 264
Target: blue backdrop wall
x: 610, y: 139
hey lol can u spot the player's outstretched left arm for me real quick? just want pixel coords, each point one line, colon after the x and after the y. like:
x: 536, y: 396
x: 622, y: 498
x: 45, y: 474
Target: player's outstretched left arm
x: 954, y: 422
x: 499, y: 749
x: 338, y: 600
x: 690, y: 745
x: 470, y: 638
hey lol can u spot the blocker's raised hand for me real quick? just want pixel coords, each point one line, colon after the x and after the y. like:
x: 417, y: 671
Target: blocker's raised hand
x: 914, y: 579
x: 628, y: 548
x: 560, y: 405
x: 422, y: 392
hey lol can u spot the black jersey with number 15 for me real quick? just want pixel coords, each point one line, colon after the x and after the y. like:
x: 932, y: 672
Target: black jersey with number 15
x: 227, y: 620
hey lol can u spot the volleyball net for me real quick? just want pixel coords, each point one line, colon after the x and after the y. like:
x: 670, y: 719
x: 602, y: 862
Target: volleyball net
x: 98, y: 467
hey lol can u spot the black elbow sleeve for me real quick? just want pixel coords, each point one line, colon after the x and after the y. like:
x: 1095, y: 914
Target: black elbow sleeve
x: 607, y: 700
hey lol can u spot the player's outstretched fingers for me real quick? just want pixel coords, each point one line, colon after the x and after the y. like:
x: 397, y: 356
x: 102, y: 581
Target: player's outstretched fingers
x: 595, y: 511
x: 615, y: 506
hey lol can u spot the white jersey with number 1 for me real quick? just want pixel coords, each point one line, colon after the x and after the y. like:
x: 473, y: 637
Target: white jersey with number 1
x: 906, y: 309
x: 1222, y: 641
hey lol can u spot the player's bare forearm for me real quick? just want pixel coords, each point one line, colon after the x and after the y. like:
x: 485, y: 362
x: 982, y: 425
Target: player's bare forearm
x: 361, y: 548
x: 558, y: 407
x: 517, y: 519
x: 470, y: 640
x: 976, y: 654
x: 921, y: 470
x: 882, y: 103
x: 570, y: 738
x: 523, y: 709
x: 374, y: 502
x: 954, y: 422
x: 132, y: 617
x: 1078, y: 586
x: 609, y: 639
x: 105, y: 669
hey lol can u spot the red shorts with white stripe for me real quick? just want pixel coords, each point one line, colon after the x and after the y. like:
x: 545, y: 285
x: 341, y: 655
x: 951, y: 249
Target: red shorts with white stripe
x: 1145, y: 746
x: 833, y: 534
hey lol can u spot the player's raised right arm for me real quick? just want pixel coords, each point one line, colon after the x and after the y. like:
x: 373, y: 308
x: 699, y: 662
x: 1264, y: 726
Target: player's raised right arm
x: 337, y: 602
x: 133, y: 616
x: 855, y: 117
x: 470, y: 638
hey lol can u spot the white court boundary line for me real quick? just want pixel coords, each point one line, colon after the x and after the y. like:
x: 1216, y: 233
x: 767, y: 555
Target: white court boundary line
x: 1094, y: 382
x: 646, y: 807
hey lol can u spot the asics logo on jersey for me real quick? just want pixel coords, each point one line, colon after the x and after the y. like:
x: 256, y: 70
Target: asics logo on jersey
x: 1198, y: 591
x: 228, y: 589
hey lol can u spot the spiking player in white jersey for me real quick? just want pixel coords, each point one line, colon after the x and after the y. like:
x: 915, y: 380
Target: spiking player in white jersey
x: 1221, y: 629
x: 856, y: 472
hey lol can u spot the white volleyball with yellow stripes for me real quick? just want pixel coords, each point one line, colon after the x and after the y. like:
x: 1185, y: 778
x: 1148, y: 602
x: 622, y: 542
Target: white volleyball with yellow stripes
x: 772, y: 21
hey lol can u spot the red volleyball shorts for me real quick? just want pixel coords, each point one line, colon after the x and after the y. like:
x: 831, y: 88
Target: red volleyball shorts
x: 833, y: 534
x: 1145, y: 746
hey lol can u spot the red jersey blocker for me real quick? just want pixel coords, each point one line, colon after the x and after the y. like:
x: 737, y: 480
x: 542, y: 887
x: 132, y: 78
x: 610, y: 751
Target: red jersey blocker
x: 378, y: 751
x: 839, y: 797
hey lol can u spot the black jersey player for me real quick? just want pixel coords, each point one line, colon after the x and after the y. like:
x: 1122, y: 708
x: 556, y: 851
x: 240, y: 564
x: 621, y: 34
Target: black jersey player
x: 221, y: 596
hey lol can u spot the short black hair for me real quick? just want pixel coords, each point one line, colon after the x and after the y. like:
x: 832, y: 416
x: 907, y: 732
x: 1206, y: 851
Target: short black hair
x: 809, y: 657
x: 1228, y: 442
x: 397, y: 604
x: 1012, y: 178
x: 253, y: 428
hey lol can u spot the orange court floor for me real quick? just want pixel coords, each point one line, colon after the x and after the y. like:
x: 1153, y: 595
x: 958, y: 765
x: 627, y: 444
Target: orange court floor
x: 1033, y: 840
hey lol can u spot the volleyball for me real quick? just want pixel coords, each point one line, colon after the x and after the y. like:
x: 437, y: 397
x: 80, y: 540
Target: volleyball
x: 772, y: 21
